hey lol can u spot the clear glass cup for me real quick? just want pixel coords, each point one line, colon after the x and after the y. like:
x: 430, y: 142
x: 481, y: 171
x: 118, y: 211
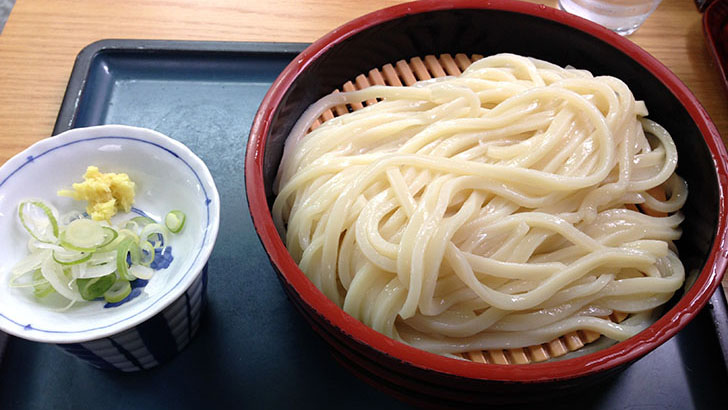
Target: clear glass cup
x: 621, y: 16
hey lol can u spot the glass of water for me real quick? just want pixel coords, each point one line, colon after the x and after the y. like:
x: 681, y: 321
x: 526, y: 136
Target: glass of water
x: 621, y: 16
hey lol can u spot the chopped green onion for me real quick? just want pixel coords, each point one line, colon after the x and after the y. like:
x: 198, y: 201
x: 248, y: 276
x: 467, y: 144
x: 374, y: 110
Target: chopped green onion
x: 30, y: 263
x: 127, y: 247
x: 69, y: 216
x: 83, y: 259
x: 118, y: 291
x: 129, y: 233
x: 147, y: 254
x: 175, y: 221
x: 138, y: 222
x: 89, y: 270
x: 100, y: 258
x: 154, y: 231
x: 41, y: 287
x: 93, y: 288
x: 58, y: 278
x: 37, y: 218
x: 110, y: 235
x: 114, y: 244
x: 84, y: 235
x: 71, y: 258
x: 141, y: 272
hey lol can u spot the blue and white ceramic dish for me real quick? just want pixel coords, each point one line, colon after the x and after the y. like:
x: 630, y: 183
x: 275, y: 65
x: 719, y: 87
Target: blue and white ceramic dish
x: 152, y: 327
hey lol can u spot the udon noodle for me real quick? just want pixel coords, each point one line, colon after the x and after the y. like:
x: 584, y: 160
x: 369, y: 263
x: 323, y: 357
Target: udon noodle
x: 491, y: 210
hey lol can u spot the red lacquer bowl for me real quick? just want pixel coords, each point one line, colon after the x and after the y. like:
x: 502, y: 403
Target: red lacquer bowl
x: 488, y: 27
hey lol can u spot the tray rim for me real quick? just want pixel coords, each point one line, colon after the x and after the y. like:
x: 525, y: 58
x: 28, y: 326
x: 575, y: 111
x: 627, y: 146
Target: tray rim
x: 718, y: 308
x: 74, y: 93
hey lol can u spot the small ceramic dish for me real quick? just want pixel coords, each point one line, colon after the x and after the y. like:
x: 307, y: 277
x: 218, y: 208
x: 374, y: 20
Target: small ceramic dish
x: 152, y: 327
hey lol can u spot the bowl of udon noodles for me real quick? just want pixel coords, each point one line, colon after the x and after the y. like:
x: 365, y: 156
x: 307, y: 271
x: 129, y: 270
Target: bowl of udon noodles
x: 469, y: 200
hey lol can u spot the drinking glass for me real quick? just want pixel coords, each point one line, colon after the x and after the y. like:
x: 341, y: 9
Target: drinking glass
x: 621, y: 16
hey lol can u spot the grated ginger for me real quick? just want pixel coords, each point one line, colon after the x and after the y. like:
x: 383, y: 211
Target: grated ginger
x: 106, y: 193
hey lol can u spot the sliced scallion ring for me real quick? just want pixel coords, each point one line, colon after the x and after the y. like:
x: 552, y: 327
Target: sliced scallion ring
x: 138, y: 222
x: 41, y: 287
x: 39, y: 220
x: 110, y: 235
x: 154, y: 233
x: 147, y: 253
x: 84, y: 235
x: 141, y: 272
x: 71, y: 258
x: 30, y: 263
x: 70, y: 216
x: 87, y: 270
x: 93, y: 288
x: 35, y: 246
x: 129, y: 233
x: 100, y: 258
x: 114, y: 244
x: 175, y: 221
x: 127, y: 248
x: 118, y: 291
x: 59, y: 279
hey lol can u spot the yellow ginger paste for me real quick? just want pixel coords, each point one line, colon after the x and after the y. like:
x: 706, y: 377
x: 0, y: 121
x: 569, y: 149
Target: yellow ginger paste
x: 105, y: 193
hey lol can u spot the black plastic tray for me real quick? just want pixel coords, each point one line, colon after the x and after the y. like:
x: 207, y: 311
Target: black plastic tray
x: 253, y: 350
